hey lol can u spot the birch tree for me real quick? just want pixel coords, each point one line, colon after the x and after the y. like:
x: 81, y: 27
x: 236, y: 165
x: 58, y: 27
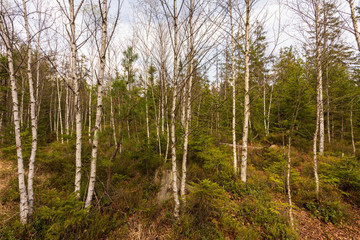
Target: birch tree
x: 100, y: 80
x: 34, y: 125
x: 173, y: 109
x: 188, y: 102
x: 75, y: 80
x: 6, y: 35
x: 234, y: 87
x: 247, y: 94
x: 354, y: 22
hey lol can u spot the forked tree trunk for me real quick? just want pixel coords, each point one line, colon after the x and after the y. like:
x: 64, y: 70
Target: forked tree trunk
x: 247, y: 95
x: 95, y: 141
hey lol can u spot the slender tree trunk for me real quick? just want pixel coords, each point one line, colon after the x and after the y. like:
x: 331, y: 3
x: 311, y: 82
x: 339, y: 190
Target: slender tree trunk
x: 90, y: 115
x: 95, y: 141
x: 320, y: 104
x: 315, y: 154
x: 167, y: 139
x: 15, y: 109
x: 77, y: 103
x: 22, y: 102
x: 269, y: 110
x: 157, y: 119
x: 50, y: 110
x: 173, y: 109
x: 354, y: 21
x: 264, y: 103
x: 288, y: 184
x: 326, y: 60
x: 247, y: 95
x: 59, y: 112
x: 182, y: 100
x: 234, y: 89
x: 34, y: 125
x: 188, y: 104
x: 112, y: 120
x: 342, y: 127
x: 352, y: 127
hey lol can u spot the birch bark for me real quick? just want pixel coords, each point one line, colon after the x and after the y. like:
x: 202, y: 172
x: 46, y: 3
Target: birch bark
x: 173, y: 109
x: 320, y: 104
x: 247, y: 95
x: 354, y: 21
x: 15, y: 110
x: 75, y: 80
x: 99, y: 104
x: 188, y: 105
x: 234, y: 89
x: 33, y: 118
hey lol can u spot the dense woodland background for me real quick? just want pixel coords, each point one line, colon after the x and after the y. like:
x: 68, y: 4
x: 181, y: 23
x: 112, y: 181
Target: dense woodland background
x: 263, y: 138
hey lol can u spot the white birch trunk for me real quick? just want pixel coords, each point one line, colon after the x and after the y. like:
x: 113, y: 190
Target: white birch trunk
x: 247, y: 95
x: 173, y: 109
x: 354, y: 21
x: 33, y: 119
x: 77, y: 103
x: 15, y: 109
x: 90, y: 113
x: 234, y: 89
x: 59, y: 113
x: 188, y: 105
x: 315, y: 154
x: 320, y: 104
x: 95, y: 141
x: 269, y: 110
x: 22, y: 101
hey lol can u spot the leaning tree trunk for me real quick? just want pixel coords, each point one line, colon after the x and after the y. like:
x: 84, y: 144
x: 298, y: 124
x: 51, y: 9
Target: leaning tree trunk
x: 15, y: 109
x: 247, y: 95
x: 95, y: 141
x: 354, y: 21
x: 34, y: 126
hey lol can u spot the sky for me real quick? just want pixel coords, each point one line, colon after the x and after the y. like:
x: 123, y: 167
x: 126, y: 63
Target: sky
x: 268, y: 10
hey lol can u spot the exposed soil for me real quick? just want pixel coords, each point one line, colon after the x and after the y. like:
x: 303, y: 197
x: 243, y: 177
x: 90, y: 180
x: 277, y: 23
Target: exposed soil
x: 7, y: 172
x: 311, y: 228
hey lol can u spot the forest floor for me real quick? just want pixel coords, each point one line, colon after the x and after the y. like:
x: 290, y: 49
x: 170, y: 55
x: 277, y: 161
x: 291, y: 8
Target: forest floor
x: 7, y: 173
x: 309, y: 227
